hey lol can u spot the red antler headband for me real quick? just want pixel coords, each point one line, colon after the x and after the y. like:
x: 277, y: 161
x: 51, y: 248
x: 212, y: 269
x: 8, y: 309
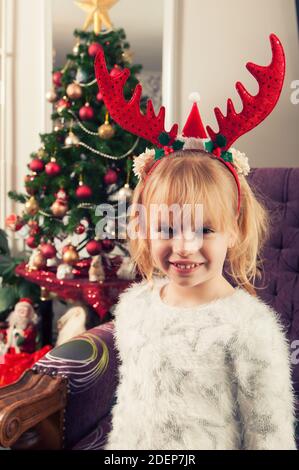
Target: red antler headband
x: 151, y: 127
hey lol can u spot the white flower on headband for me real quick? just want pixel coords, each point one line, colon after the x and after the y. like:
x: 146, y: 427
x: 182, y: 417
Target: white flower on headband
x: 143, y: 162
x: 240, y: 161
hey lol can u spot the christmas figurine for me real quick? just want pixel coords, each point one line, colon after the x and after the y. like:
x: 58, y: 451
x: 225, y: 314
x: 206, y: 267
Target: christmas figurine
x: 64, y: 271
x: 36, y: 261
x: 22, y: 331
x: 96, y: 271
x: 19, y: 343
x: 127, y: 269
x: 71, y: 324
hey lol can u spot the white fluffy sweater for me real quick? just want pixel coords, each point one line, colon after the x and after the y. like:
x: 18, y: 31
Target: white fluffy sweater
x: 215, y: 376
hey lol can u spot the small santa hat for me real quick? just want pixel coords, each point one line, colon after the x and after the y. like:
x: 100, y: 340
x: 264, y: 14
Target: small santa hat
x: 194, y: 126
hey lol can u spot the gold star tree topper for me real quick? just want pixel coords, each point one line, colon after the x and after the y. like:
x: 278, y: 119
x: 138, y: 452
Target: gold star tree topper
x: 97, y: 13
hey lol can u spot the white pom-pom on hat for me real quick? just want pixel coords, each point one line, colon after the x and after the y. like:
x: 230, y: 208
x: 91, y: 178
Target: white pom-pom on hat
x: 194, y: 96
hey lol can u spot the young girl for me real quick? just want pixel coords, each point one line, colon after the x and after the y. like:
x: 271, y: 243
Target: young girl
x: 204, y: 365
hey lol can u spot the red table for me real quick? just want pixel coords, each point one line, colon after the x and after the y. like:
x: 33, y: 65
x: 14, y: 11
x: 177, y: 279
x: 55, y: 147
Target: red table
x: 99, y: 295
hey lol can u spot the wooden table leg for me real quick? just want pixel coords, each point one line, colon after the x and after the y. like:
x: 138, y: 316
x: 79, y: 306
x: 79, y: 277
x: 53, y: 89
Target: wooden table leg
x: 46, y: 312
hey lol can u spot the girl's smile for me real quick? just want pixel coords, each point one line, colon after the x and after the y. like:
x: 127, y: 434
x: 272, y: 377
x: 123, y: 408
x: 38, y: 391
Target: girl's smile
x: 185, y: 268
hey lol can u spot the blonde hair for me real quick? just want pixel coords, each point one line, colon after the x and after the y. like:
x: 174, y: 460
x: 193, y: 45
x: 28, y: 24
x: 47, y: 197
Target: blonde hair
x: 194, y: 177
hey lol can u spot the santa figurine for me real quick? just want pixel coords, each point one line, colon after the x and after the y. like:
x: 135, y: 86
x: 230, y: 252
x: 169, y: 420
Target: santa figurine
x: 22, y: 330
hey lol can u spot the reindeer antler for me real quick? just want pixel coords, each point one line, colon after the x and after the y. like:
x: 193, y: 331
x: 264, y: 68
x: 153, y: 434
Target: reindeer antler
x: 255, y: 108
x: 127, y: 113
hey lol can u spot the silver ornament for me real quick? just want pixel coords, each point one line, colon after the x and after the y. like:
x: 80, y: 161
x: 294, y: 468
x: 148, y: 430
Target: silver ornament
x: 51, y: 96
x: 76, y: 49
x: 125, y: 193
x: 81, y: 76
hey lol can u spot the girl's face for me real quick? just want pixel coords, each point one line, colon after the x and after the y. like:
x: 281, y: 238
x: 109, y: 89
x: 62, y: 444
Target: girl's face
x: 204, y: 250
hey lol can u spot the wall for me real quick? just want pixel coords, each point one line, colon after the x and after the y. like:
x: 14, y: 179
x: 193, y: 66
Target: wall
x: 25, y: 112
x: 214, y: 40
x: 33, y: 65
x: 141, y: 19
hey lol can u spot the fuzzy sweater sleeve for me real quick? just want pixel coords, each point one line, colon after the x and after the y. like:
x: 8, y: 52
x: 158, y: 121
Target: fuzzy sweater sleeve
x: 262, y: 374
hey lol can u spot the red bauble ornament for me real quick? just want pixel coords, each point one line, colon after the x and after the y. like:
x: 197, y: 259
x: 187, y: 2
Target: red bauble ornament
x: 36, y: 165
x: 62, y: 104
x: 84, y: 192
x: 48, y: 250
x: 29, y: 179
x: 61, y: 195
x: 34, y: 227
x: 80, y: 229
x: 99, y: 96
x: 52, y: 169
x: 93, y: 247
x: 93, y: 49
x: 14, y: 222
x: 115, y: 71
x: 57, y: 78
x: 110, y: 177
x: 107, y: 245
x: 86, y: 113
x: 31, y: 242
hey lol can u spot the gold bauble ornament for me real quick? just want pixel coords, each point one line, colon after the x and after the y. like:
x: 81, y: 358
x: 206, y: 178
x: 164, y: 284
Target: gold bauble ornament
x: 59, y: 208
x: 106, y: 131
x: 31, y: 206
x: 127, y: 56
x: 51, y: 96
x: 74, y: 91
x: 41, y: 152
x: 71, y: 140
x: 62, y: 104
x: 39, y: 261
x: 70, y: 256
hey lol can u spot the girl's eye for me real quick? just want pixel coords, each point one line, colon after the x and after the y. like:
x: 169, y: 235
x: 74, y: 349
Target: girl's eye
x: 208, y: 230
x: 204, y: 230
x: 171, y: 231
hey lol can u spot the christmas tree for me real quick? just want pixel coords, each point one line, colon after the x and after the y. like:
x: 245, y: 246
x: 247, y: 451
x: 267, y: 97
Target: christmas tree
x: 87, y: 158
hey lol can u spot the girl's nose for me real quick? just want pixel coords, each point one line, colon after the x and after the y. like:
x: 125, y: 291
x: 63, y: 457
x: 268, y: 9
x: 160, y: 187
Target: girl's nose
x: 188, y: 243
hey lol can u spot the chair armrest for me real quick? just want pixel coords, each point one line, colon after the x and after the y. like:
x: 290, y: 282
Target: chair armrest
x: 90, y: 364
x: 37, y: 402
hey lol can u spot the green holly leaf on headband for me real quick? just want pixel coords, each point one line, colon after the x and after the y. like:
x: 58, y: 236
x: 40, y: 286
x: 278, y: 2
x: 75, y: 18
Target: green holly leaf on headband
x: 209, y: 146
x: 164, y: 138
x: 221, y: 140
x: 178, y: 145
x: 227, y: 156
x: 159, y: 153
